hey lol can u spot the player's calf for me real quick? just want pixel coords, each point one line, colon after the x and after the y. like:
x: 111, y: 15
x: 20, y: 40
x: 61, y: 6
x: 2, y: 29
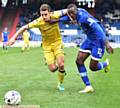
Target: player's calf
x: 61, y: 75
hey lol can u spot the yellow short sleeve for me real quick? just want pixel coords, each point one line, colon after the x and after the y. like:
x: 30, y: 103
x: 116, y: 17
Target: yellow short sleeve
x: 57, y: 14
x: 34, y: 24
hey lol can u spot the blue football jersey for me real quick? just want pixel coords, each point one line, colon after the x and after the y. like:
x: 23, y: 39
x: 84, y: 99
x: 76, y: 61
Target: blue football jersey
x: 90, y: 25
x: 5, y: 36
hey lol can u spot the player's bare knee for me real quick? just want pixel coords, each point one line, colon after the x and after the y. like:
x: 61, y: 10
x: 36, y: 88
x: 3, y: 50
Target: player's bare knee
x: 79, y: 61
x: 53, y: 68
x: 61, y: 66
x: 93, y: 67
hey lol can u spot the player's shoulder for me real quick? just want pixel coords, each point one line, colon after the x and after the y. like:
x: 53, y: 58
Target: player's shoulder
x: 38, y: 19
x: 53, y: 14
x: 82, y: 12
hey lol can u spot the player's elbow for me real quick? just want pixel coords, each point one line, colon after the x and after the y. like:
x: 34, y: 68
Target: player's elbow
x: 24, y: 27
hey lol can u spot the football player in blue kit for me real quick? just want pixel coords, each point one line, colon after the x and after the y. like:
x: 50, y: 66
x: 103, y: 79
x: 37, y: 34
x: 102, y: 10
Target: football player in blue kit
x: 5, y: 37
x: 94, y: 44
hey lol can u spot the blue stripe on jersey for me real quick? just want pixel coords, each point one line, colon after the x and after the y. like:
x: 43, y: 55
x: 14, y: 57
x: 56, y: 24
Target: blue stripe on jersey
x: 62, y: 13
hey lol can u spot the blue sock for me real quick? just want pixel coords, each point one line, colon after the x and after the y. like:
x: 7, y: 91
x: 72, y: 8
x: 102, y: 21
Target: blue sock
x: 101, y: 65
x: 83, y: 72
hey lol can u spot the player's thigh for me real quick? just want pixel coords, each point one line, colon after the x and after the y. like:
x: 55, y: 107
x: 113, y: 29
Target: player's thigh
x: 60, y: 60
x: 81, y: 57
x: 49, y: 55
x: 86, y: 46
x: 97, y: 50
x: 59, y: 53
x: 50, y: 58
x: 58, y: 50
x: 84, y: 52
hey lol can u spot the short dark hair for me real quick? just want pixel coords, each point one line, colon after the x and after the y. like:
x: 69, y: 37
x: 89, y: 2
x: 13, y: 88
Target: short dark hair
x: 45, y: 7
x: 71, y: 6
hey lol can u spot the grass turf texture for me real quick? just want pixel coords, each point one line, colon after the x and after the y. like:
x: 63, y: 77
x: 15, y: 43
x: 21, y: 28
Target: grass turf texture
x: 26, y: 73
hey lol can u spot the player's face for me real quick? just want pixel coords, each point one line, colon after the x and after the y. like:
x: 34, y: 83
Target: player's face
x: 72, y: 13
x: 45, y: 15
x: 5, y: 29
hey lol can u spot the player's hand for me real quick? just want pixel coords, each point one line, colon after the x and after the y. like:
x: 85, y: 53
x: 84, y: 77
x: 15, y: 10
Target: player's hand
x: 109, y: 49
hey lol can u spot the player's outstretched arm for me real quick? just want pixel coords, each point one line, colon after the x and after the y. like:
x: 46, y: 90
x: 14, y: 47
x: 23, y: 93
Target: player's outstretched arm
x: 12, y: 40
x: 62, y: 12
x: 109, y: 48
x: 57, y: 15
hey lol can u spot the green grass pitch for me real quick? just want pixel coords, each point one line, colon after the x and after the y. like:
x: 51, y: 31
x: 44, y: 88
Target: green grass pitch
x: 27, y: 73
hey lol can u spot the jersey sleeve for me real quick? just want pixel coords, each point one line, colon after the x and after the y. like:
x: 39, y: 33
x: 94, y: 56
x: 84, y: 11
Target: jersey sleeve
x: 86, y: 20
x: 99, y: 30
x: 58, y: 14
x: 34, y: 24
x: 96, y: 27
x: 64, y: 18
